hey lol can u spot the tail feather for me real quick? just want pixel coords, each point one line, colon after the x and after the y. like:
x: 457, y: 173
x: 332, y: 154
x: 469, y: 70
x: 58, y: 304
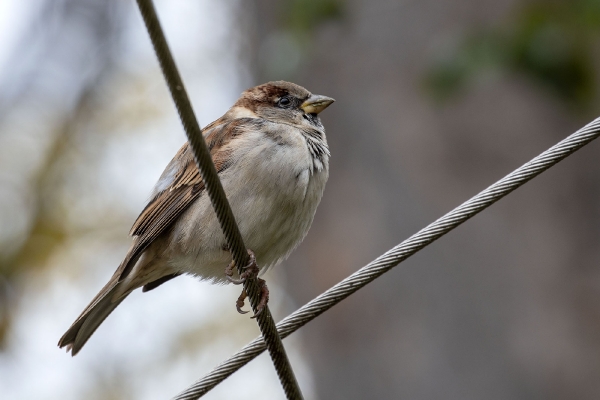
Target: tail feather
x: 94, y: 314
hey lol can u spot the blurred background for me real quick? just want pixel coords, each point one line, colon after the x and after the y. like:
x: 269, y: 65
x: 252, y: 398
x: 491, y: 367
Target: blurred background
x: 435, y: 101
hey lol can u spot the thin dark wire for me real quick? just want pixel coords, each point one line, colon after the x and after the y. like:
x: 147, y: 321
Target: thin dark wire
x: 398, y: 254
x: 217, y: 196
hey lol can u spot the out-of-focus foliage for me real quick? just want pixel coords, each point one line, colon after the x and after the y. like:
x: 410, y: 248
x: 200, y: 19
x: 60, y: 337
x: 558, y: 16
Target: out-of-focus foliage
x: 77, y: 55
x: 552, y: 42
x: 303, y: 16
x: 285, y: 51
x: 505, y: 307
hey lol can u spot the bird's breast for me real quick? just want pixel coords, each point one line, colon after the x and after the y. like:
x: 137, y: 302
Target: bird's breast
x: 273, y: 190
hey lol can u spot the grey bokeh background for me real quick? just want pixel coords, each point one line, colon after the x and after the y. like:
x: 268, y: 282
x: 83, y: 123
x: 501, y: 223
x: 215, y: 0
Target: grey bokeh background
x: 435, y: 101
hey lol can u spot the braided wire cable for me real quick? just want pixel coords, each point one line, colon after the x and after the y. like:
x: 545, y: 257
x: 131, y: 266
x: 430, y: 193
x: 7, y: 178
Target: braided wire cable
x: 217, y: 197
x: 397, y: 254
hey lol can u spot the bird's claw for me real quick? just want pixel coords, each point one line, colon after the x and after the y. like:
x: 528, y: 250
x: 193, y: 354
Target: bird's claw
x: 229, y: 274
x: 250, y: 270
x: 240, y: 302
x: 264, y: 297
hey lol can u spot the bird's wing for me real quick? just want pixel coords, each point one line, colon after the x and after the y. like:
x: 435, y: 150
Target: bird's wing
x: 177, y: 188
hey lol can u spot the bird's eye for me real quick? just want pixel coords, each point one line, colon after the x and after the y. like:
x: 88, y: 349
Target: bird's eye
x: 284, y: 102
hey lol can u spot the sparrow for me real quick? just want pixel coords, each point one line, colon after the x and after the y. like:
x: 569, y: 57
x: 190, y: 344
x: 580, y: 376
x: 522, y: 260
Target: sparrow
x: 272, y: 157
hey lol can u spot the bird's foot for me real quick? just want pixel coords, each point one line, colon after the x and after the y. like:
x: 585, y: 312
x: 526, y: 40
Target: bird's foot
x: 264, y: 299
x: 229, y: 274
x: 250, y: 271
x: 240, y: 302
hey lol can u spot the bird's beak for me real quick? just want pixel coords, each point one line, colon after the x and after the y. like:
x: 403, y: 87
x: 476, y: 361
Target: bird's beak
x: 316, y: 103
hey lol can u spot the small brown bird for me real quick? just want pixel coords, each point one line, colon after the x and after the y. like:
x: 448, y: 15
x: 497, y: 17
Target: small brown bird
x: 272, y: 158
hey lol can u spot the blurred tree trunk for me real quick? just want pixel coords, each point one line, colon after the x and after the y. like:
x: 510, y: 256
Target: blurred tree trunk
x: 64, y: 55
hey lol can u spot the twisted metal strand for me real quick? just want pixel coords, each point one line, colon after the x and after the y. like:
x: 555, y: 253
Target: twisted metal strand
x: 217, y: 197
x: 398, y: 254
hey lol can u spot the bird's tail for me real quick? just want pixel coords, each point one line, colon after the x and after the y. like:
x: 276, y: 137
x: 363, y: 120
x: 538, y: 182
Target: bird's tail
x: 103, y: 304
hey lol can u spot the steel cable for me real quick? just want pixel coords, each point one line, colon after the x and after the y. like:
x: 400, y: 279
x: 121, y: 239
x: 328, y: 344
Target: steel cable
x: 398, y: 254
x: 217, y: 196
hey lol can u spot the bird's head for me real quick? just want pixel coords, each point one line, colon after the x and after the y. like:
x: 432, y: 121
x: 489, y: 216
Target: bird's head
x: 283, y: 102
